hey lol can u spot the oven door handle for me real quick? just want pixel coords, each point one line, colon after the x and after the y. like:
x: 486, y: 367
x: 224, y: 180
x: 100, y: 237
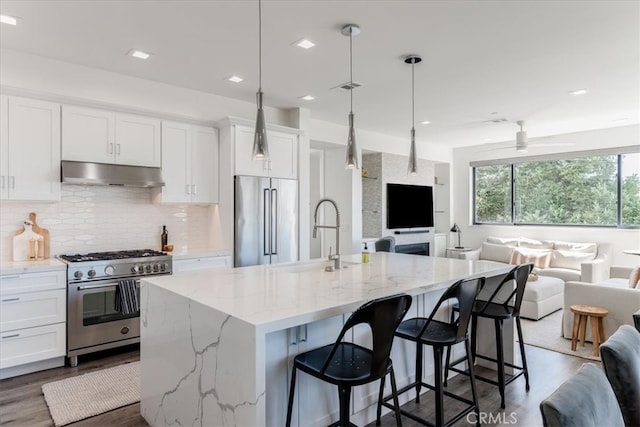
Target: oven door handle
x: 110, y: 285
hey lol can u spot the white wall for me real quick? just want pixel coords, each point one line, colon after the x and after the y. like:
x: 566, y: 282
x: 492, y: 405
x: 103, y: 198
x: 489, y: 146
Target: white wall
x: 473, y: 235
x: 337, y: 134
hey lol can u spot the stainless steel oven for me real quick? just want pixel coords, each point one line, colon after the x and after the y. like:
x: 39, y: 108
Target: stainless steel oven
x: 94, y: 321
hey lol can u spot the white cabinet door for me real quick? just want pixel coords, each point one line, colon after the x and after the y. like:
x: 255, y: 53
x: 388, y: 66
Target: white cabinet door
x: 317, y: 401
x: 245, y: 165
x: 283, y: 155
x: 4, y: 147
x: 176, y: 139
x: 204, y: 165
x: 32, y: 345
x: 32, y: 282
x: 32, y: 309
x: 34, y: 149
x: 189, y: 163
x: 101, y: 136
x: 88, y: 134
x: 137, y: 140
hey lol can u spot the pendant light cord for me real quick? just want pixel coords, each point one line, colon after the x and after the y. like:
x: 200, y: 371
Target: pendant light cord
x: 260, y: 45
x: 351, y: 68
x: 413, y: 91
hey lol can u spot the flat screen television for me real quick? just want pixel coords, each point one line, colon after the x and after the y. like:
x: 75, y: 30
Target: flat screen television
x: 409, y: 206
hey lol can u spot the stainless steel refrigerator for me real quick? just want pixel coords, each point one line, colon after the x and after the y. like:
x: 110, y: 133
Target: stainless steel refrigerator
x: 266, y: 220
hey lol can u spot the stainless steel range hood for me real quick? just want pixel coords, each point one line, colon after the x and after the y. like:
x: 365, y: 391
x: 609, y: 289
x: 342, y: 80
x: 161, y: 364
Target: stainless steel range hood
x: 108, y: 174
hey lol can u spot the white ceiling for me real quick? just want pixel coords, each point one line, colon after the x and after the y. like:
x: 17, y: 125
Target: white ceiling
x: 516, y: 58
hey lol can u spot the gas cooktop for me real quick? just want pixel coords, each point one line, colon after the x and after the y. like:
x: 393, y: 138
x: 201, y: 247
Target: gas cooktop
x: 111, y: 255
x: 116, y: 265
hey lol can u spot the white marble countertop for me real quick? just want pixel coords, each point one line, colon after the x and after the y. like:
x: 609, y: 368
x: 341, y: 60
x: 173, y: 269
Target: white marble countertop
x: 198, y: 254
x: 276, y: 297
x: 21, y: 267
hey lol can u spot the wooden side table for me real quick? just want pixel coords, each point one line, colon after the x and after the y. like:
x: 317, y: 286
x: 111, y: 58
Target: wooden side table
x: 580, y: 315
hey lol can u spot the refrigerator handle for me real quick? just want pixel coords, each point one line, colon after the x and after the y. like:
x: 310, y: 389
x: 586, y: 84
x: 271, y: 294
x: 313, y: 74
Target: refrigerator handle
x: 274, y: 219
x: 266, y: 223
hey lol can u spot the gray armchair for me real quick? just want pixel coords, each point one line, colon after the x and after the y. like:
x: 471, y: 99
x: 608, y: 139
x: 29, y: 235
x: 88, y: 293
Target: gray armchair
x: 621, y: 360
x: 585, y: 400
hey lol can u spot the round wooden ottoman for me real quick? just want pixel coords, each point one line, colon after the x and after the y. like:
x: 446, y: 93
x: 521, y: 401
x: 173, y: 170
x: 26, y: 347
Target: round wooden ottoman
x: 580, y: 315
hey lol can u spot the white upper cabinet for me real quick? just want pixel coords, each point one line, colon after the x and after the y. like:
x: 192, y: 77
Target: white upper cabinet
x: 204, y: 165
x: 283, y: 154
x: 189, y: 163
x: 101, y: 136
x: 29, y: 149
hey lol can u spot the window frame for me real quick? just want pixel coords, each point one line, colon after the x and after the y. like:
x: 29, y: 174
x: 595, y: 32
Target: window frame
x: 550, y: 158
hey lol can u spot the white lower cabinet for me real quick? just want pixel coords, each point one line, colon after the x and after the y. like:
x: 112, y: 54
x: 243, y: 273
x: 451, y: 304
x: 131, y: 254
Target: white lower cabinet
x: 196, y: 263
x: 315, y: 401
x: 33, y: 314
x: 32, y: 345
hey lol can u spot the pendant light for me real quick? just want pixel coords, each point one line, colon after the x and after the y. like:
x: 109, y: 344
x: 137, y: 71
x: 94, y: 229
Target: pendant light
x: 352, y: 152
x: 260, y: 146
x: 412, y: 168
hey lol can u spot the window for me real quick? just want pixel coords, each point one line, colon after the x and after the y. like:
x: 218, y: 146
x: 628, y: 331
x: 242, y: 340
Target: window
x: 493, y: 194
x: 630, y: 191
x: 601, y: 190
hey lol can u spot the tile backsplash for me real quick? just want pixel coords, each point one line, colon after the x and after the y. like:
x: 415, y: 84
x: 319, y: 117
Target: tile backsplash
x: 102, y: 218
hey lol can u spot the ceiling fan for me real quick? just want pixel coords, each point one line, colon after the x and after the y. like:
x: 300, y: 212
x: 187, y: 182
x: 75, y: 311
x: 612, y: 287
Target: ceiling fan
x: 523, y: 142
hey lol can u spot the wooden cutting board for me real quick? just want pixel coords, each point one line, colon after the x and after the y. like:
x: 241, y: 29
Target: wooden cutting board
x: 41, y: 231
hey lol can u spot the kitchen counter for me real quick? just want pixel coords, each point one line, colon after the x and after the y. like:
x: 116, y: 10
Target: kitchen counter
x: 194, y: 254
x: 213, y: 342
x: 21, y: 267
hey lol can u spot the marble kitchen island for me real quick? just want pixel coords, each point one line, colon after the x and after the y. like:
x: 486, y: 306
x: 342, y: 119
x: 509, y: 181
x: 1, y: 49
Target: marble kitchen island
x: 216, y: 346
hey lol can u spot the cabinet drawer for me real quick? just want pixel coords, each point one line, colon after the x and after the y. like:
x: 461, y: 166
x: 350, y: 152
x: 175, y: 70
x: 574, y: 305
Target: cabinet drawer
x: 32, y: 345
x: 32, y: 282
x: 32, y: 309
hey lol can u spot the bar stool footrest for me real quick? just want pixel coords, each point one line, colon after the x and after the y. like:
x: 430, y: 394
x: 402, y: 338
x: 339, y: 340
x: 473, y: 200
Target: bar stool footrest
x: 471, y: 406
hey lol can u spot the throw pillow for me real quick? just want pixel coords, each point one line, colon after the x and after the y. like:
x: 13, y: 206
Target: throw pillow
x: 493, y: 252
x: 576, y: 247
x: 539, y: 258
x: 634, y: 278
x: 509, y: 241
x: 570, y: 259
x: 534, y: 244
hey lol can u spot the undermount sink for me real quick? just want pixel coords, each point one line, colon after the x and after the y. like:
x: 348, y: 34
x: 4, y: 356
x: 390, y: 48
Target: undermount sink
x: 315, y: 267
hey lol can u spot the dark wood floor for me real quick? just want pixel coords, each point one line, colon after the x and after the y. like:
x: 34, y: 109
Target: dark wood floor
x: 22, y: 403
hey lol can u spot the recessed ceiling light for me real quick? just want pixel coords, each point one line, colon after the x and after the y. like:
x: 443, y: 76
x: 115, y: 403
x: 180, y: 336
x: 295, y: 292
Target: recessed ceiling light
x: 235, y: 79
x: 486, y: 140
x: 425, y: 122
x: 308, y: 97
x: 578, y: 92
x: 11, y: 20
x: 305, y: 44
x: 139, y: 54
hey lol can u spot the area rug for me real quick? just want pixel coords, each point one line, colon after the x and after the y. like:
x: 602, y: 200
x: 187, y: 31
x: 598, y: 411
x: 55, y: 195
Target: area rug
x: 74, y: 399
x: 547, y: 333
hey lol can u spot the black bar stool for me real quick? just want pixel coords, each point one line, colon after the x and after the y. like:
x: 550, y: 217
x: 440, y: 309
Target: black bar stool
x: 438, y: 334
x: 499, y: 312
x: 347, y: 364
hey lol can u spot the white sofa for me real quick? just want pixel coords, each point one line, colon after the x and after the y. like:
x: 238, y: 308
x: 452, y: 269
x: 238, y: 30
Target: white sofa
x: 614, y: 294
x: 585, y: 262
